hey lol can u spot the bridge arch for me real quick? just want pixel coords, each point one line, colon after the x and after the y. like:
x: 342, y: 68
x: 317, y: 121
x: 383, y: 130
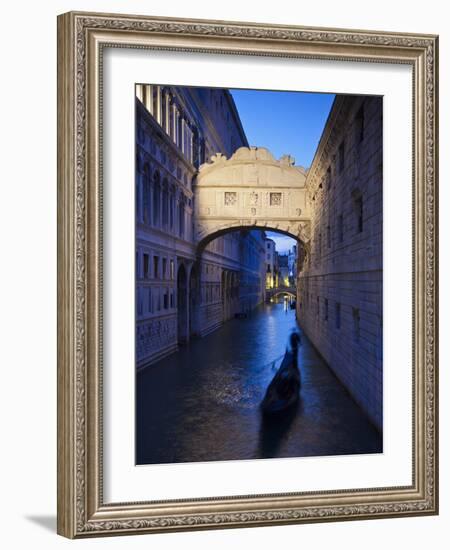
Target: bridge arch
x: 251, y: 190
x: 231, y: 227
x: 281, y: 292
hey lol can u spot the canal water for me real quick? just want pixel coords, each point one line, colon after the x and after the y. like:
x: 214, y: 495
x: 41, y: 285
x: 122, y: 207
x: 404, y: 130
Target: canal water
x: 202, y: 402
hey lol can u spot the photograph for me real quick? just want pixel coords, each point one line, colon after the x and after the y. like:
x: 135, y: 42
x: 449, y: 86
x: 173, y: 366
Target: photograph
x: 258, y: 274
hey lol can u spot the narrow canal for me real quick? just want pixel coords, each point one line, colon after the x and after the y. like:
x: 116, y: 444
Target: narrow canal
x: 202, y: 402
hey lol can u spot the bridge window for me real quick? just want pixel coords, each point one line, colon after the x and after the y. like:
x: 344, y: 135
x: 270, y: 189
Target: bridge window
x: 230, y: 198
x: 275, y: 199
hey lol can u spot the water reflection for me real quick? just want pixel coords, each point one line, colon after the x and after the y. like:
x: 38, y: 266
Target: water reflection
x: 202, y: 403
x: 274, y: 430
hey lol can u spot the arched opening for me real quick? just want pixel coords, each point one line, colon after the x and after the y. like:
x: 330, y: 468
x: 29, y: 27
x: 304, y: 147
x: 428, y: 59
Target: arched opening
x: 221, y: 231
x: 182, y: 305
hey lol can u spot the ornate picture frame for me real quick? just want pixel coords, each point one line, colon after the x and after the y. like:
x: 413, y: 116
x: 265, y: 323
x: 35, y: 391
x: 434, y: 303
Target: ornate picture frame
x: 82, y: 38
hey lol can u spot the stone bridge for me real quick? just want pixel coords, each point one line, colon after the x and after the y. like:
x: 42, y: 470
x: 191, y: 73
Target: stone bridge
x: 251, y: 190
x: 272, y: 292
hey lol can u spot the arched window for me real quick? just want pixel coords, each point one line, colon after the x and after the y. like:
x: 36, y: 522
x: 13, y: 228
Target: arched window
x: 156, y: 198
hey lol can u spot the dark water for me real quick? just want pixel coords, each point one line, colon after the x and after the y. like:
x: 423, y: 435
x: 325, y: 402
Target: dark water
x: 202, y: 403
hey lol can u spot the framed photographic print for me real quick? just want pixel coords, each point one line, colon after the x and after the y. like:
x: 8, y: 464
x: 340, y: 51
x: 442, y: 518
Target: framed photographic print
x: 247, y: 284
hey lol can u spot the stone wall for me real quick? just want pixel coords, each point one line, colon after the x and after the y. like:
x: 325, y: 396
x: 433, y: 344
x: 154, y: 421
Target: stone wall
x: 340, y: 282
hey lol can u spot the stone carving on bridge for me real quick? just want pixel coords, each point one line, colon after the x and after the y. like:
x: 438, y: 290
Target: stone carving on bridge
x: 251, y: 189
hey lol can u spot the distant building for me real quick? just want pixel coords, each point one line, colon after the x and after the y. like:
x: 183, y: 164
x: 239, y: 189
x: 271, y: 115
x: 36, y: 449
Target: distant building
x: 179, y: 295
x: 283, y: 270
x: 271, y: 264
x: 340, y: 283
x: 292, y: 265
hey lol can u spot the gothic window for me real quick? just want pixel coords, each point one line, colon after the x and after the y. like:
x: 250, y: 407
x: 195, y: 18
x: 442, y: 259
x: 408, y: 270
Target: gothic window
x: 275, y: 199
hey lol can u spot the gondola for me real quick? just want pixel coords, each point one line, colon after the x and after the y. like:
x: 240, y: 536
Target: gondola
x: 283, y: 390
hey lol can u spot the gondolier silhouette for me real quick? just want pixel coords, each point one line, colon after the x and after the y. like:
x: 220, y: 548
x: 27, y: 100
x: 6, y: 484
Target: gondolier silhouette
x: 283, y: 390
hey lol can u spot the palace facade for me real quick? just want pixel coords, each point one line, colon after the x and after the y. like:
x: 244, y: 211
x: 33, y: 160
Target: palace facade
x: 181, y: 293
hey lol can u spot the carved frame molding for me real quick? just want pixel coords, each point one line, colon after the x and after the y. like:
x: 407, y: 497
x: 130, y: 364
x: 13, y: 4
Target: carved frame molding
x: 81, y: 37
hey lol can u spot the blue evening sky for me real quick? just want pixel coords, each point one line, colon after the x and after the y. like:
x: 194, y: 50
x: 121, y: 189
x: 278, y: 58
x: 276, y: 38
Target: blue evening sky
x: 287, y: 123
